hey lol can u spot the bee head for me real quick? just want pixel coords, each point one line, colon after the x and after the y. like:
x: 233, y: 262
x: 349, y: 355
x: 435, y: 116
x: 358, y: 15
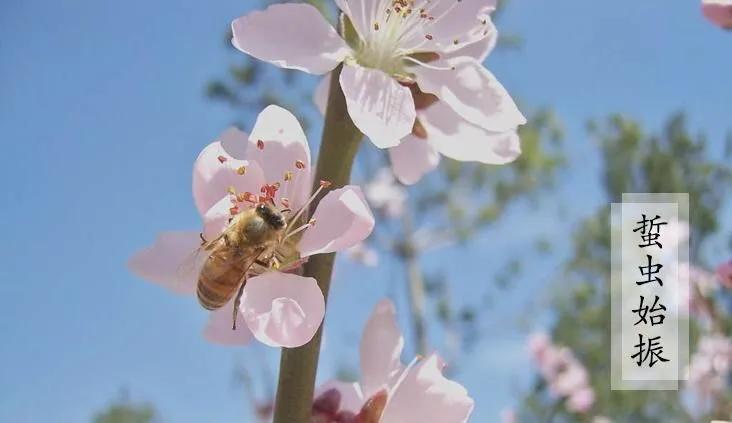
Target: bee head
x: 270, y: 215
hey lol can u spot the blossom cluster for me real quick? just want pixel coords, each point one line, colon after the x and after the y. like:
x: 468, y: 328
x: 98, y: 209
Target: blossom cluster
x: 564, y: 374
x: 710, y: 366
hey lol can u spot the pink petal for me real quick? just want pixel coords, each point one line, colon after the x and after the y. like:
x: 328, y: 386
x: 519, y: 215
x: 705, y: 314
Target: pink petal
x: 724, y: 274
x: 465, y: 21
x: 379, y: 106
x: 351, y: 396
x: 472, y: 91
x: 219, y: 327
x: 216, y: 219
x: 381, y: 349
x: 283, y: 148
x: 478, y: 50
x: 425, y: 395
x: 320, y: 97
x: 218, y: 167
x: 362, y: 14
x: 412, y: 159
x: 581, y: 401
x: 719, y: 12
x: 342, y: 220
x: 172, y: 261
x: 283, y: 309
x: 293, y: 36
x: 461, y: 140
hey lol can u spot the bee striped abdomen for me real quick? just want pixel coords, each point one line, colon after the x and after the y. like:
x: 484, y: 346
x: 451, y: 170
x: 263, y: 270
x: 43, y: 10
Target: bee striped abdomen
x: 219, y: 280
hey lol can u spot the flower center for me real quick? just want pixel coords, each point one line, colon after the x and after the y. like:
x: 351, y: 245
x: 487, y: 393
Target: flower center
x: 396, y: 22
x: 286, y: 256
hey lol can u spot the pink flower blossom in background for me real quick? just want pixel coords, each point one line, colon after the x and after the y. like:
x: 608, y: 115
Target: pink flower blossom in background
x: 279, y: 309
x: 724, y: 274
x: 362, y: 253
x: 413, y: 79
x: 385, y: 194
x: 710, y: 366
x: 565, y: 376
x: 390, y: 391
x: 718, y: 12
x: 508, y: 416
x: 701, y: 284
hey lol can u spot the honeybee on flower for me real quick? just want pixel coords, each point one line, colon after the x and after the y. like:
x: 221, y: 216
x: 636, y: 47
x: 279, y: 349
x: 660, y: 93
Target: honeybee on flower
x: 252, y: 193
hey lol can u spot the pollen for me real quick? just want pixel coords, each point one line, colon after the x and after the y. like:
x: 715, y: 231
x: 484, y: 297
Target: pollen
x: 376, y: 26
x: 428, y: 36
x: 455, y: 41
x: 231, y: 190
x: 249, y: 197
x: 260, y: 144
x: 241, y: 197
x: 222, y: 159
x: 288, y: 176
x: 300, y: 164
x: 242, y: 170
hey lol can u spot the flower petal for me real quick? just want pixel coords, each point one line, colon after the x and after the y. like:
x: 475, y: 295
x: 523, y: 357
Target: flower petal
x: 320, y: 96
x: 381, y: 349
x: 719, y: 12
x: 381, y: 108
x: 216, y: 219
x: 362, y: 15
x: 172, y: 261
x: 293, y: 36
x: 219, y: 166
x: 457, y: 24
x: 351, y: 396
x: 278, y: 144
x: 426, y: 395
x: 219, y: 327
x: 472, y: 91
x: 478, y: 50
x: 342, y: 220
x: 412, y: 159
x: 461, y: 140
x: 282, y: 309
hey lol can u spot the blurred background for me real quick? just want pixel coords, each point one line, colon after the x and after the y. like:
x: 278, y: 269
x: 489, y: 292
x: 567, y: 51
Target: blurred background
x: 105, y: 105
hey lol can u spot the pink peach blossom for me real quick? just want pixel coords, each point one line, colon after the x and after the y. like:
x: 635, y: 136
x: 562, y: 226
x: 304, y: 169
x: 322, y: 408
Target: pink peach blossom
x: 719, y: 12
x: 401, y: 57
x: 710, y: 366
x: 362, y: 253
x: 724, y: 274
x: 508, y: 416
x: 390, y: 391
x: 278, y: 309
x: 581, y: 401
x: 385, y: 194
x: 565, y: 376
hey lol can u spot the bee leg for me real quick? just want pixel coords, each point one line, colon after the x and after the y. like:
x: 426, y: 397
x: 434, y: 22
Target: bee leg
x: 237, y: 302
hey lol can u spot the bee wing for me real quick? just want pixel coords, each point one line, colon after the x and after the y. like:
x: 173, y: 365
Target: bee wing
x: 190, y: 267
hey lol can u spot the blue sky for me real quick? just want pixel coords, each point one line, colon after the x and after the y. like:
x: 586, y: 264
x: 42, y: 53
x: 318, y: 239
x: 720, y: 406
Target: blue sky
x: 102, y: 113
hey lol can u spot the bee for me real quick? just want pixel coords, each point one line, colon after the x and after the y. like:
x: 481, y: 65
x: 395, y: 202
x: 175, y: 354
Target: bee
x: 251, y: 239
